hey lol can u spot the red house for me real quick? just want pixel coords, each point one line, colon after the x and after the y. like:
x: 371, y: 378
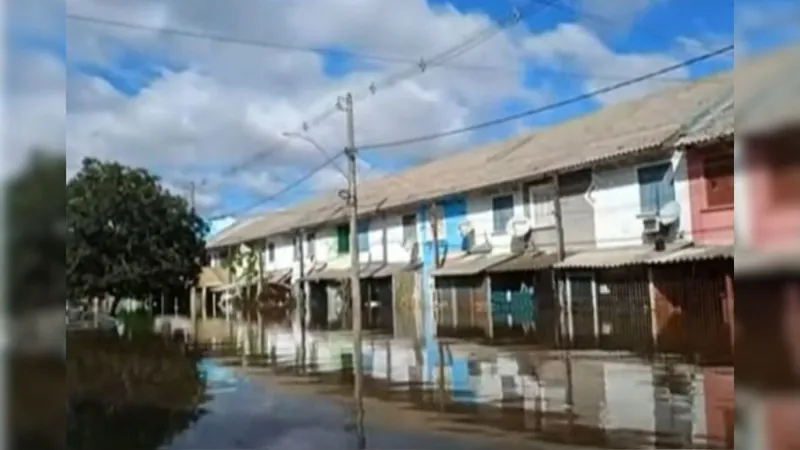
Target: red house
x: 711, y: 189
x: 768, y: 314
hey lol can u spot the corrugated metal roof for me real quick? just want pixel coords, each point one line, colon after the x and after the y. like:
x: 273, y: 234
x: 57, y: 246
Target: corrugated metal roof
x: 756, y: 262
x: 466, y: 265
x: 392, y: 268
x: 279, y: 276
x: 367, y: 270
x: 609, y: 258
x: 525, y: 262
x: 768, y: 95
x: 213, y: 277
x: 616, y: 131
x: 695, y: 253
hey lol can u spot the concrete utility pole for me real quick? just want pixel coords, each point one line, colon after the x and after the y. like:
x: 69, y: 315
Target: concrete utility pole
x: 302, y: 300
x: 564, y: 313
x: 355, y: 282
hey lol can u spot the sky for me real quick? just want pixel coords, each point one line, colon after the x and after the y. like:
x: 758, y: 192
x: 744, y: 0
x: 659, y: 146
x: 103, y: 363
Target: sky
x: 210, y: 109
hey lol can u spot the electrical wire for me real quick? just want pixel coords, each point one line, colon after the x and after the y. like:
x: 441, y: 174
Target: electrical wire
x: 420, y: 66
x: 281, y: 46
x: 283, y: 190
x: 501, y: 120
x: 550, y: 106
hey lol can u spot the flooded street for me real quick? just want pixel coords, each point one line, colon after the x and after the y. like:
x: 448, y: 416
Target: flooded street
x: 521, y: 398
x: 250, y: 415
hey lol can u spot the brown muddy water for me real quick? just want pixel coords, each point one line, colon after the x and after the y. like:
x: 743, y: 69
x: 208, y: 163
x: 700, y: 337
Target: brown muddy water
x: 528, y: 397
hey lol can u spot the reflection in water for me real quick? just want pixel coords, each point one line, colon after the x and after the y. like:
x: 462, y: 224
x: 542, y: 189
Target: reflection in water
x: 581, y: 398
x: 129, y: 393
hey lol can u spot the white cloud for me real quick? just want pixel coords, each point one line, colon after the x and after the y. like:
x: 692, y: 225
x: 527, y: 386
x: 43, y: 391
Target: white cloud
x: 573, y: 46
x: 34, y: 107
x: 217, y: 104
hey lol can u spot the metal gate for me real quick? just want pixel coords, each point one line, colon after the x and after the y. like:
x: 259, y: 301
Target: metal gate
x: 581, y: 306
x: 625, y: 318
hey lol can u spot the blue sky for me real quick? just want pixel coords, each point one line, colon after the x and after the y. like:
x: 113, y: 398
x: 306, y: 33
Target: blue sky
x: 220, y: 106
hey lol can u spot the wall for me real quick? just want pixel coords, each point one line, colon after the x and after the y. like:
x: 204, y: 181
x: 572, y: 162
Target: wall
x: 710, y: 225
x: 576, y: 210
x: 615, y: 198
x: 481, y: 216
x: 770, y: 225
x: 326, y: 243
x: 452, y: 211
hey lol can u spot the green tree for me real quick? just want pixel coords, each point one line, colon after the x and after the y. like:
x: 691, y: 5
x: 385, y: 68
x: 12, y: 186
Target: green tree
x: 128, y: 236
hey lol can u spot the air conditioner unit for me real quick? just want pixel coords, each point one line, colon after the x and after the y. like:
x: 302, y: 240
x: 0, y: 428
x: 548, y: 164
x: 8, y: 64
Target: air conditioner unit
x: 650, y: 224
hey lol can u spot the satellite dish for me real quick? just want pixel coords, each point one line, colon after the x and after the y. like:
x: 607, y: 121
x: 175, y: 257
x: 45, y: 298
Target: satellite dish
x: 519, y: 226
x: 465, y: 227
x: 669, y: 213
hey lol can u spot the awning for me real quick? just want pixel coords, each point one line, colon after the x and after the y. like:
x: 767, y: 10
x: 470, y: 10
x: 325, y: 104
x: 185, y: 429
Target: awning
x: 617, y: 257
x: 763, y: 262
x: 469, y: 265
x: 279, y: 276
x: 695, y: 253
x: 366, y: 270
x: 525, y: 262
x: 388, y: 270
x: 213, y: 277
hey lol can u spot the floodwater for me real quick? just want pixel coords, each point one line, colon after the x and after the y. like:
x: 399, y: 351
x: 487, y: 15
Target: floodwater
x: 448, y: 393
x: 242, y: 414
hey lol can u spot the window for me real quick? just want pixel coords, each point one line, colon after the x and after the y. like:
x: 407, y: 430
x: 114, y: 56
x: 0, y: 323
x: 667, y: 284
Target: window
x: 656, y: 187
x: 542, y: 205
x: 343, y: 239
x: 271, y: 252
x: 409, y: 228
x: 783, y: 159
x: 502, y: 212
x: 718, y: 173
x: 311, y: 239
x: 363, y: 236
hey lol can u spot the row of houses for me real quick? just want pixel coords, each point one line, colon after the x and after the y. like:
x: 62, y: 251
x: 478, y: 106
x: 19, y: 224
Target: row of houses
x: 614, y: 229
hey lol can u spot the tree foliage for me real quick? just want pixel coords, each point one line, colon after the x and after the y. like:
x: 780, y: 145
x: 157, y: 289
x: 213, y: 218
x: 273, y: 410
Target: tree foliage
x: 128, y: 236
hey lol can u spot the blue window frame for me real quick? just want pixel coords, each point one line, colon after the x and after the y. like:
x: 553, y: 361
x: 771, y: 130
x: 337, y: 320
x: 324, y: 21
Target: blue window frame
x: 502, y: 212
x: 656, y: 187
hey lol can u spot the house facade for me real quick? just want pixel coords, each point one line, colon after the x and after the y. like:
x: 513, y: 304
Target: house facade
x: 644, y: 214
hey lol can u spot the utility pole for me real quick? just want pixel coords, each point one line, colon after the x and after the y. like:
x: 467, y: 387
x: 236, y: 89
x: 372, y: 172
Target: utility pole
x: 561, y: 254
x: 301, y: 295
x: 355, y: 282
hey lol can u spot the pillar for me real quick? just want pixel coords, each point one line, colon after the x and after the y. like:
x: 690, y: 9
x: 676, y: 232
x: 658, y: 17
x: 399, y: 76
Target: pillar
x: 729, y: 308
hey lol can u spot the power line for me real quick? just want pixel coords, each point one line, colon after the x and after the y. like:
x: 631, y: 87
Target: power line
x: 551, y: 106
x: 281, y: 46
x: 286, y: 188
x: 275, y: 45
x: 421, y: 66
x: 501, y: 120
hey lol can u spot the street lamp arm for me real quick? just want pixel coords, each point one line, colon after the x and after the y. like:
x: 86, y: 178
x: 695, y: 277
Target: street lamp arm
x: 315, y: 144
